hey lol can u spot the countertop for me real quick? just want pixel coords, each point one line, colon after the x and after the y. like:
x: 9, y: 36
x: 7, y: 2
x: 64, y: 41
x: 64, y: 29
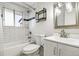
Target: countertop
x: 67, y: 41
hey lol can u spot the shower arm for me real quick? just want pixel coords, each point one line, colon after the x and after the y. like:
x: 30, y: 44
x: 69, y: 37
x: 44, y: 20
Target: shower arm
x: 26, y: 19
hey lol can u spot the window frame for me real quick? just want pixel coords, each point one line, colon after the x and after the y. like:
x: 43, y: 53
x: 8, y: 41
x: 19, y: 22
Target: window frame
x: 3, y: 12
x: 15, y: 19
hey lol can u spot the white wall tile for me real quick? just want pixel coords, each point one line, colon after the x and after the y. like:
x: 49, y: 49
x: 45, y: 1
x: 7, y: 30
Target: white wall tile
x: 14, y: 34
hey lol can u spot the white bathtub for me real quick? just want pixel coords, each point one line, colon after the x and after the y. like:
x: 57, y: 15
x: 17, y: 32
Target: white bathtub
x: 14, y: 49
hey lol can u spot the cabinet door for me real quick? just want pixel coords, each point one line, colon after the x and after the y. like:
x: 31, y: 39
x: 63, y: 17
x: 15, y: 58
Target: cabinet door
x: 50, y: 48
x: 66, y: 50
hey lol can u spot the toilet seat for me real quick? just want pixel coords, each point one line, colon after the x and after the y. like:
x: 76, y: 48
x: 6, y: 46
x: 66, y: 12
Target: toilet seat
x: 31, y: 48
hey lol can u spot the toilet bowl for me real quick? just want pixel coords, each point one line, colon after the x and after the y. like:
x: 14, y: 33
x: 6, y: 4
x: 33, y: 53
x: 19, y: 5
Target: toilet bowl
x: 33, y: 49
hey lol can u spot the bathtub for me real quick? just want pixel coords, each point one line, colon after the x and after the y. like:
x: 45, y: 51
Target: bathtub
x: 14, y: 49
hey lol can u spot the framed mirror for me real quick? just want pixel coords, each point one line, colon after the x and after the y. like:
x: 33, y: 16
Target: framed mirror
x: 66, y: 14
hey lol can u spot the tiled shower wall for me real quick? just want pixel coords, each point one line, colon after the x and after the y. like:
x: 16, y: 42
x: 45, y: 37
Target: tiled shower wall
x: 1, y: 37
x: 1, y: 41
x: 14, y: 34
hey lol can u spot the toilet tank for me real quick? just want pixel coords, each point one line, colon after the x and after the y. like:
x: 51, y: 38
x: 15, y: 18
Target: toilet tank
x: 39, y: 39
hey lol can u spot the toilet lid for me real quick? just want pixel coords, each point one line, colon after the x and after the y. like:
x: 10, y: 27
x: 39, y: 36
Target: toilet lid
x: 30, y: 47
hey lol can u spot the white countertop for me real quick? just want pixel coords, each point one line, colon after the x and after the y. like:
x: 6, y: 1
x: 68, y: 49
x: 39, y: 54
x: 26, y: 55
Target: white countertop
x: 68, y: 41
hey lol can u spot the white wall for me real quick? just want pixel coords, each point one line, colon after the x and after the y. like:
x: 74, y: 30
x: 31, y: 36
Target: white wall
x: 47, y: 27
x: 12, y: 34
x: 15, y: 34
x: 44, y: 27
x: 1, y: 35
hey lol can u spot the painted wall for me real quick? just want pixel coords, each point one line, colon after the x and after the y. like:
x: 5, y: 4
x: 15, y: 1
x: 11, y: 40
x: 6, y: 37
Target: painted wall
x: 47, y: 27
x: 43, y: 27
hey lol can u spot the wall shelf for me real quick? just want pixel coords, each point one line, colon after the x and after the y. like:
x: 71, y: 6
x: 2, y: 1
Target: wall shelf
x: 41, y: 15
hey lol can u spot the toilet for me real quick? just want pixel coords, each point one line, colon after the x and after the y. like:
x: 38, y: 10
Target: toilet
x: 33, y: 49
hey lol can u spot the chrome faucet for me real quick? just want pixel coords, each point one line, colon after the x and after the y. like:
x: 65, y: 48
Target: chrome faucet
x: 63, y: 34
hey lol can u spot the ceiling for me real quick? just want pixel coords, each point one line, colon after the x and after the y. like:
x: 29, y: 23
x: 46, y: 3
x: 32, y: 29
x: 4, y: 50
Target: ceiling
x: 33, y: 4
x: 28, y: 5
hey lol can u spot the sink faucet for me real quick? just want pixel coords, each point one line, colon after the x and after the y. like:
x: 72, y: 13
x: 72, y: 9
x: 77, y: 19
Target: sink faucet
x: 63, y: 34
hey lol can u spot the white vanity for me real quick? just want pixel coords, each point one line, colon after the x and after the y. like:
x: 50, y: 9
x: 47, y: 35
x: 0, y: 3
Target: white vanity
x: 57, y: 46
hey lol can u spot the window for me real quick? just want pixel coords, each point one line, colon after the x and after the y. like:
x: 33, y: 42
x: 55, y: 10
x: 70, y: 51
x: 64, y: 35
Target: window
x: 12, y: 18
x: 18, y: 16
x: 9, y: 18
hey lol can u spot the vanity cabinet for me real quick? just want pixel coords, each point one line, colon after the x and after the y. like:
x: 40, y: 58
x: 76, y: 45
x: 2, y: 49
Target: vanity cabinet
x: 67, y: 50
x: 50, y: 48
x: 59, y: 49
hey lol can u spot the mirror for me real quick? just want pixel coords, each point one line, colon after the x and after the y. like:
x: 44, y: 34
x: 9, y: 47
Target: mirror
x: 70, y: 14
x: 66, y: 14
